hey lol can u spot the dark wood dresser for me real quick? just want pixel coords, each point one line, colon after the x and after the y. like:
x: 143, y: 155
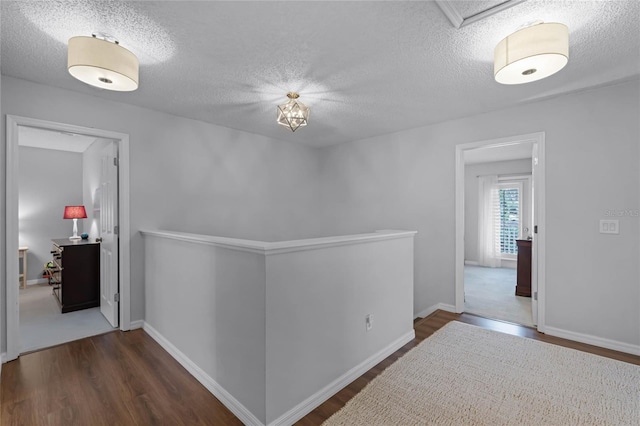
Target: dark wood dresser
x: 76, y: 275
x: 523, y: 286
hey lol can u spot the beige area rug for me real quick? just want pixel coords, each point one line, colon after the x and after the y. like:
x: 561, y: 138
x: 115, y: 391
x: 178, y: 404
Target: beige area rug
x: 466, y: 375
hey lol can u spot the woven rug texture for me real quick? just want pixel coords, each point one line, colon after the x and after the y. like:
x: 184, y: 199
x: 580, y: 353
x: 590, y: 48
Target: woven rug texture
x: 466, y: 375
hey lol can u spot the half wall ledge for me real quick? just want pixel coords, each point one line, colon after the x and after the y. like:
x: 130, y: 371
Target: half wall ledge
x: 273, y: 329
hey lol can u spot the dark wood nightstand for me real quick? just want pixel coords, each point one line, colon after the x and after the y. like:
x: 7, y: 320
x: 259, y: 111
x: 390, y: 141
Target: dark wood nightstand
x: 78, y: 274
x: 523, y: 286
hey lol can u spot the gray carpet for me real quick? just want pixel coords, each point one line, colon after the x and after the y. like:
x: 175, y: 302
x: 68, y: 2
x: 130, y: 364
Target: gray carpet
x: 490, y: 292
x: 42, y: 325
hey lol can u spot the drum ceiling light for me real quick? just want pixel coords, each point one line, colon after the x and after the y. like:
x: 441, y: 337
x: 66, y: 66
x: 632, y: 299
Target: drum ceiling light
x: 100, y: 61
x: 532, y: 53
x: 294, y: 114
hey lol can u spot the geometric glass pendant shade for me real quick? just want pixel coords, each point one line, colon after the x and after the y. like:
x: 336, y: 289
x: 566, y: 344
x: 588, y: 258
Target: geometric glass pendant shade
x: 531, y: 54
x: 294, y: 114
x: 102, y: 63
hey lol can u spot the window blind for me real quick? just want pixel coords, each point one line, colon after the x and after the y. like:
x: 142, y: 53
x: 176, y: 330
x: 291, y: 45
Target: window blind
x: 508, y: 213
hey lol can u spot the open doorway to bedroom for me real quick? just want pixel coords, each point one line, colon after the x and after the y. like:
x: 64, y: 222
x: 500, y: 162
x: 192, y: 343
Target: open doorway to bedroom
x: 94, y: 168
x: 497, y: 213
x: 59, y: 176
x: 499, y: 186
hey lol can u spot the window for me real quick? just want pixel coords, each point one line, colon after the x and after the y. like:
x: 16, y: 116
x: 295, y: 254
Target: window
x: 509, y: 200
x: 510, y: 217
x: 504, y: 214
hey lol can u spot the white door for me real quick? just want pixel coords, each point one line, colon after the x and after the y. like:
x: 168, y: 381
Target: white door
x: 109, y: 301
x: 534, y: 243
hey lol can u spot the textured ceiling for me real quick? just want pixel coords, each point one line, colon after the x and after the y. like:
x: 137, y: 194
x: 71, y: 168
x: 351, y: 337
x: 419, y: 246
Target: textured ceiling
x: 364, y: 68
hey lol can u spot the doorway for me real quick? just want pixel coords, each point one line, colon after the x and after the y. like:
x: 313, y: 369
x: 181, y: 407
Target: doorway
x: 118, y: 282
x: 500, y: 210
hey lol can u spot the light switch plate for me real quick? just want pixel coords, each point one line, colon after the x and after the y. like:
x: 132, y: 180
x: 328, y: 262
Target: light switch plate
x: 609, y: 226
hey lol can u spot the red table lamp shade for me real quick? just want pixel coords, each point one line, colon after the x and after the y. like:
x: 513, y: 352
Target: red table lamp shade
x: 74, y: 212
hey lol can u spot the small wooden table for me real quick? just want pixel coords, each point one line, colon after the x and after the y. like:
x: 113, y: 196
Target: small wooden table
x: 22, y: 254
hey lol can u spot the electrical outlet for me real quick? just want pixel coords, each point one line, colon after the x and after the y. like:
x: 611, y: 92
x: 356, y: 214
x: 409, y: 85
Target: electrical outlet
x: 368, y: 322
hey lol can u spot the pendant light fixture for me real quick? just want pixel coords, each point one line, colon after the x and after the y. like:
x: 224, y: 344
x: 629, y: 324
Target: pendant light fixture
x: 100, y: 61
x: 293, y: 114
x: 532, y: 53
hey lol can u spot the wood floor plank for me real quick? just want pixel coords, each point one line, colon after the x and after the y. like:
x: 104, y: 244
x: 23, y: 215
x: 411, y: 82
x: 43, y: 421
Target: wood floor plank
x: 112, y: 379
x: 128, y: 379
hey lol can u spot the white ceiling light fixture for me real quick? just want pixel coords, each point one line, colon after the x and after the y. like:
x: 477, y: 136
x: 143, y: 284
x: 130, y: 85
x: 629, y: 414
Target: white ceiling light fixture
x: 100, y: 61
x: 532, y: 53
x: 294, y: 114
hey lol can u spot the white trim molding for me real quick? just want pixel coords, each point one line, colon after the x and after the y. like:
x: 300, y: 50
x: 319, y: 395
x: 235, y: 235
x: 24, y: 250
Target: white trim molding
x: 594, y: 340
x: 38, y: 281
x: 134, y: 325
x: 314, y: 401
x: 433, y: 308
x: 207, y: 381
x: 297, y: 412
x: 279, y: 247
x: 13, y: 122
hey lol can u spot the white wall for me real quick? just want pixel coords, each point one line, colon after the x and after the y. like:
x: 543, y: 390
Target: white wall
x: 48, y: 181
x: 317, y: 301
x: 275, y: 325
x: 91, y: 170
x: 209, y: 302
x: 185, y: 174
x: 471, y: 202
x: 252, y: 186
x: 406, y: 181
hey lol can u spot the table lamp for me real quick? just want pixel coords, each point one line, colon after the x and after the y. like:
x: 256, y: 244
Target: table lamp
x: 75, y: 213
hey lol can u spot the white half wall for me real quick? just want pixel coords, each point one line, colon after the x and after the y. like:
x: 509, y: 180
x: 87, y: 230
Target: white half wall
x: 274, y: 329
x: 406, y: 180
x: 209, y: 302
x: 317, y: 301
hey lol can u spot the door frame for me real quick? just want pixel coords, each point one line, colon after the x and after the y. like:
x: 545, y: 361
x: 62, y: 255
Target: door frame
x: 13, y: 122
x: 538, y: 249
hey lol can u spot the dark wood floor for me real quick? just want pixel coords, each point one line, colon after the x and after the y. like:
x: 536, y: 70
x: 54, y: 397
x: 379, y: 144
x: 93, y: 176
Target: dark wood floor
x: 118, y: 378
x: 128, y: 379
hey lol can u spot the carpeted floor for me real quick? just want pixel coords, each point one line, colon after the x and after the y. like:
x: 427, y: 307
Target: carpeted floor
x: 490, y: 292
x: 42, y: 325
x: 466, y: 375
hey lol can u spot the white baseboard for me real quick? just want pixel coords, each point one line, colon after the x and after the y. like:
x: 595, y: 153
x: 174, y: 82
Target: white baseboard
x: 433, y: 308
x: 509, y: 263
x: 297, y: 412
x: 593, y: 340
x: 134, y: 325
x: 3, y: 359
x: 471, y: 262
x: 207, y: 381
x: 309, y: 404
x: 38, y: 281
